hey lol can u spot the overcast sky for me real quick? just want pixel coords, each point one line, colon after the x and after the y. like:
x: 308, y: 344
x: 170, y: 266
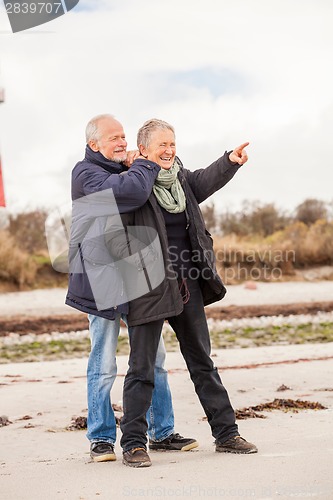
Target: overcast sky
x: 221, y: 72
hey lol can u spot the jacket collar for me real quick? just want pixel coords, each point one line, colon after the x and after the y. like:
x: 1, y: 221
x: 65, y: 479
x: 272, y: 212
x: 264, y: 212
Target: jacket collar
x: 109, y: 165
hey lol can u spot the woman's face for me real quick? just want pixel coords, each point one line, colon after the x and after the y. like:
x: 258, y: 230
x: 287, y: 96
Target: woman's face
x: 161, y: 149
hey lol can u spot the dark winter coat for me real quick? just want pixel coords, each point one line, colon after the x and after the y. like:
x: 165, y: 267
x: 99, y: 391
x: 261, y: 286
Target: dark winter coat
x: 101, y: 189
x: 165, y: 300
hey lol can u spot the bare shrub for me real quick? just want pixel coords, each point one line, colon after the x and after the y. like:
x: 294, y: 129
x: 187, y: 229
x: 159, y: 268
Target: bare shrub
x: 254, y: 219
x: 28, y: 229
x: 16, y: 266
x: 311, y: 210
x: 209, y: 215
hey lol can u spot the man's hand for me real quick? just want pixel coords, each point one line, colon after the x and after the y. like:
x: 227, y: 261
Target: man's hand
x: 239, y: 155
x: 131, y: 156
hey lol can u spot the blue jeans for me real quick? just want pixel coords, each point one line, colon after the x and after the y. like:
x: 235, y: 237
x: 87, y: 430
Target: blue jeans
x: 101, y: 374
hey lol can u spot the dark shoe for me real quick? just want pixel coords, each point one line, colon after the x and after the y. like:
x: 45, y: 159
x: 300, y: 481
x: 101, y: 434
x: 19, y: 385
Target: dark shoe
x: 235, y: 444
x: 136, y: 457
x: 175, y: 442
x: 102, y: 452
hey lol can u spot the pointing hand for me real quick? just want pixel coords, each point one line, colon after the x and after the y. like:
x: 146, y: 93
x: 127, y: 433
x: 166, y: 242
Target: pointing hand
x: 239, y: 155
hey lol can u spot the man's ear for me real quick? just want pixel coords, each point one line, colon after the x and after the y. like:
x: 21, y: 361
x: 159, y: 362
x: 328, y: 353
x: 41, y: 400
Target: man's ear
x: 93, y: 145
x: 143, y: 151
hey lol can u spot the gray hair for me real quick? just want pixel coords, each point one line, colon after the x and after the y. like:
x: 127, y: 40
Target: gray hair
x: 145, y: 132
x: 92, y: 132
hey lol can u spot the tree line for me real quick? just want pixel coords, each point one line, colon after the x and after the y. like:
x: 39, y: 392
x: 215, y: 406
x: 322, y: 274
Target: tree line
x: 256, y: 218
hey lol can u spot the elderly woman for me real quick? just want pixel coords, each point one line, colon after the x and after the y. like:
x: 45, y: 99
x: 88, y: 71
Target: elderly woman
x: 190, y: 283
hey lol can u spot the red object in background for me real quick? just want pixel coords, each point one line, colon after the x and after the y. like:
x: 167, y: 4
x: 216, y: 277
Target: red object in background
x: 2, y: 191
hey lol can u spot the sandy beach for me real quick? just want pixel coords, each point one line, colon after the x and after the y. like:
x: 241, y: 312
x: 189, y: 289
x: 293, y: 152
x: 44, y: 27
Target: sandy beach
x: 52, y: 301
x: 40, y: 458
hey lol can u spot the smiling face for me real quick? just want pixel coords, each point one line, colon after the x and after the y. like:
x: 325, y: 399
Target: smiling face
x: 161, y: 148
x: 110, y: 140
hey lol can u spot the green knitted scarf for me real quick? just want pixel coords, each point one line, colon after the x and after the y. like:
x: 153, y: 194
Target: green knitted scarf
x: 168, y: 190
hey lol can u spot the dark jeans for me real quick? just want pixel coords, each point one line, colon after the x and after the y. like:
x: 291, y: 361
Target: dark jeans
x: 192, y: 332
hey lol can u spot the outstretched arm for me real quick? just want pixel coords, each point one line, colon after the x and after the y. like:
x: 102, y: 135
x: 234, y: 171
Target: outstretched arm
x: 206, y: 181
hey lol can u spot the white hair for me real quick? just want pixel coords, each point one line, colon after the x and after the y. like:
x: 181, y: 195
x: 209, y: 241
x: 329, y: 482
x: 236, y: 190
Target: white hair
x: 92, y: 132
x: 145, y: 132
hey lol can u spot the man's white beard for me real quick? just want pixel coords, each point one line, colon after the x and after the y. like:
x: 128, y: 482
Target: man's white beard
x: 119, y: 160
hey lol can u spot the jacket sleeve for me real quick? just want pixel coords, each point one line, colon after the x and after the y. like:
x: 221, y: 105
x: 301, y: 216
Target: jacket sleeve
x: 206, y: 181
x: 130, y: 189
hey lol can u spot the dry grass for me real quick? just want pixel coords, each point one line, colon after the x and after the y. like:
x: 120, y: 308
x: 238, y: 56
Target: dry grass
x: 16, y: 266
x: 277, y: 256
x: 24, y: 262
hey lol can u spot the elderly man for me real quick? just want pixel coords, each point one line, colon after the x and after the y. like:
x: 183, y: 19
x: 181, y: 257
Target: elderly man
x: 103, y: 187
